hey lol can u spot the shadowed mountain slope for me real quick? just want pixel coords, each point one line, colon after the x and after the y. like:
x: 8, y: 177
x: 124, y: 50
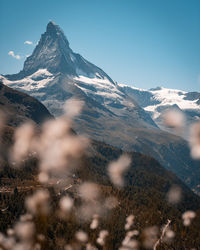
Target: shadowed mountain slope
x: 19, y: 107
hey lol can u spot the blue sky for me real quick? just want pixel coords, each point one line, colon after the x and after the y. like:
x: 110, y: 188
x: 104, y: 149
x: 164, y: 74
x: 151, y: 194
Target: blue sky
x: 145, y: 43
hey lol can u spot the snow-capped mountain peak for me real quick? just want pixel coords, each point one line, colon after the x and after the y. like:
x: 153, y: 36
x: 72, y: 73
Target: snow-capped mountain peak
x: 156, y: 100
x: 54, y: 54
x: 54, y: 30
x: 54, y: 66
x: 54, y: 72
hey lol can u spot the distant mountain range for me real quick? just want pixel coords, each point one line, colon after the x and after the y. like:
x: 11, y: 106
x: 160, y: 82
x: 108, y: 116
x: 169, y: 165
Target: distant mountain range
x: 159, y: 99
x: 116, y: 114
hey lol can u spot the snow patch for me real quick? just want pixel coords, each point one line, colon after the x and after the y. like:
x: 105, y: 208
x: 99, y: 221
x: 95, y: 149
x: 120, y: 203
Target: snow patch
x: 166, y: 97
x: 102, y: 86
x: 30, y: 83
x: 41, y: 72
x: 171, y: 97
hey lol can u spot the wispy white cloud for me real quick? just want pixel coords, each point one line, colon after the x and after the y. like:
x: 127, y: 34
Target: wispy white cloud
x: 11, y: 53
x: 28, y: 42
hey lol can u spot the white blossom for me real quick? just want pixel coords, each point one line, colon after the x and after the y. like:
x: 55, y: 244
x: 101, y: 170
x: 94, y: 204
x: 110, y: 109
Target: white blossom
x: 187, y: 217
x: 173, y: 118
x: 102, y: 237
x: 73, y: 107
x: 195, y: 140
x: 25, y: 230
x: 116, y: 170
x: 81, y: 236
x: 89, y: 191
x: 95, y: 222
x: 174, y: 194
x: 66, y: 203
x: 129, y: 222
x: 38, y: 202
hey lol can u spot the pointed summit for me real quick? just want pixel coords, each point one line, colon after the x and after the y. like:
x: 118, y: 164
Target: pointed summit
x: 52, y: 28
x: 54, y: 54
x: 51, y: 53
x: 55, y: 31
